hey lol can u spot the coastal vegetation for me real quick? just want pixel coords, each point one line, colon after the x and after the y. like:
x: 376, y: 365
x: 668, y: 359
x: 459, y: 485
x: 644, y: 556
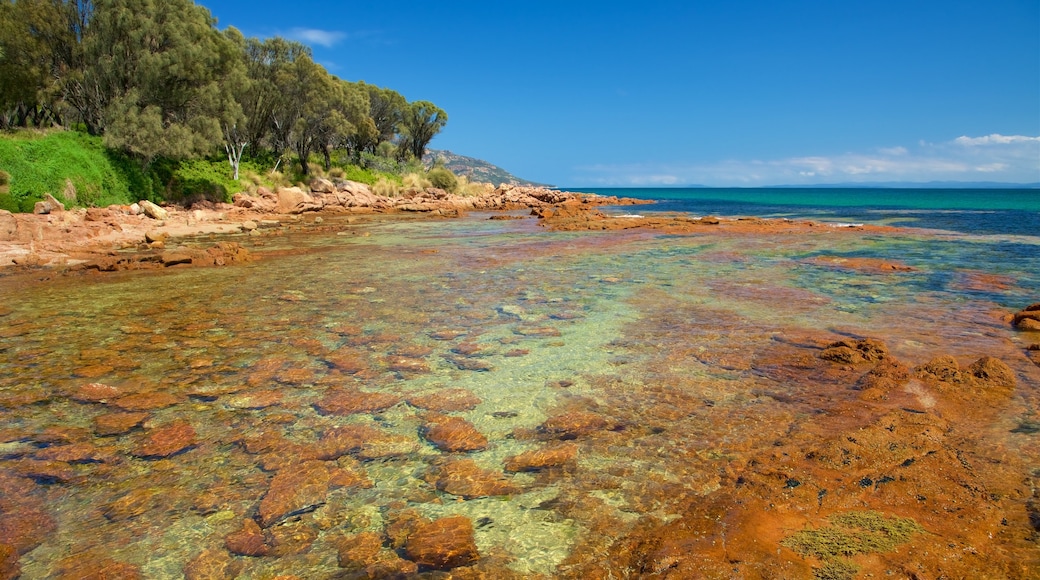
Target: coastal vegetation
x: 139, y: 99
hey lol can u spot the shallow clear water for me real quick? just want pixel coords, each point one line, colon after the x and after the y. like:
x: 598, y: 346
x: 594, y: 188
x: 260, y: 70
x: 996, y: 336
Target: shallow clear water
x: 674, y: 343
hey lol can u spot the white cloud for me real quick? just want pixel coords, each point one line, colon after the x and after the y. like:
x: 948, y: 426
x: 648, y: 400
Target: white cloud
x: 326, y: 38
x: 994, y: 139
x: 1014, y: 158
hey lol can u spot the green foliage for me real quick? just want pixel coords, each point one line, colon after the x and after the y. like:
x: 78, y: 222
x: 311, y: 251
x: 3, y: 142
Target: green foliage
x: 444, y: 179
x: 422, y: 120
x: 40, y: 163
x: 5, y: 178
x: 202, y: 179
x: 836, y: 569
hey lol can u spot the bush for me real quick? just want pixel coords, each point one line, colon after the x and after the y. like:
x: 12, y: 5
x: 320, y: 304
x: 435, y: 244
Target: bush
x: 386, y: 188
x: 443, y: 178
x: 5, y: 178
x: 415, y: 181
x: 41, y: 162
x: 202, y: 179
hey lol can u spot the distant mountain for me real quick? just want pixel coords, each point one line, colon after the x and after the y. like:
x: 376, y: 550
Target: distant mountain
x: 474, y: 169
x: 919, y: 185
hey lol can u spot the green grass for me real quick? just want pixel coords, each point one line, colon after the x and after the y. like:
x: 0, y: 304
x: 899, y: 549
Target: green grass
x: 39, y: 163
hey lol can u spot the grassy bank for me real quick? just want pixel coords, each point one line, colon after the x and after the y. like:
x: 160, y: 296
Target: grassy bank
x: 79, y: 170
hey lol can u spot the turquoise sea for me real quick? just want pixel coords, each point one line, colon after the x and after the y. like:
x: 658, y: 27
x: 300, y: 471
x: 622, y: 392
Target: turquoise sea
x: 403, y: 396
x: 1008, y: 211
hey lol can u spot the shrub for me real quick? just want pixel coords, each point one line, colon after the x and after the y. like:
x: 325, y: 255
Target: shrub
x: 5, y: 178
x: 443, y: 178
x: 415, y: 181
x: 202, y: 179
x: 386, y: 188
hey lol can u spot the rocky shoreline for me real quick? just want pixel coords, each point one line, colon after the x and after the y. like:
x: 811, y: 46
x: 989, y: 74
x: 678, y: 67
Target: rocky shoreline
x: 144, y: 235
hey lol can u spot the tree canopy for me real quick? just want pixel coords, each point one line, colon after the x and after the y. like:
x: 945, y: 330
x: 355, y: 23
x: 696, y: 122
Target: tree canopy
x: 157, y: 79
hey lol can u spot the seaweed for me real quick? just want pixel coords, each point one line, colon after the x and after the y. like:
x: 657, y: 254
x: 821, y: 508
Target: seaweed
x: 849, y: 534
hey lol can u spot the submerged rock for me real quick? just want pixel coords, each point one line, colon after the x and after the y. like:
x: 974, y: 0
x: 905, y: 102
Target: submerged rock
x: 454, y: 434
x: 464, y: 478
x: 165, y: 441
x: 554, y: 456
x: 443, y: 544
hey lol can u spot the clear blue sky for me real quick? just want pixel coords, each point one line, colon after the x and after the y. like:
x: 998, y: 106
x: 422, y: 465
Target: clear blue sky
x: 716, y: 93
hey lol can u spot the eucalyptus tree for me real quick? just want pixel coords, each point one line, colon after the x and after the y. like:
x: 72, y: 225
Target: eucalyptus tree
x: 155, y: 78
x: 386, y: 109
x: 421, y: 122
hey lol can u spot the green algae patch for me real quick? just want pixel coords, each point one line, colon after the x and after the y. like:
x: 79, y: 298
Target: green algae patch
x: 849, y: 534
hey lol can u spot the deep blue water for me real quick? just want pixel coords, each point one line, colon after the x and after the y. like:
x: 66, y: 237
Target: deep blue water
x: 970, y: 211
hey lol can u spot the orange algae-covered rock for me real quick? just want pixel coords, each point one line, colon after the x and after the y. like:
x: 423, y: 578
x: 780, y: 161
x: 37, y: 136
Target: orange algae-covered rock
x: 464, y: 478
x: 1028, y: 318
x: 146, y: 401
x: 132, y: 504
x: 302, y: 489
x: 23, y: 527
x: 347, y: 360
x: 95, y: 393
x: 406, y: 365
x: 445, y: 400
x: 165, y: 441
x: 90, y: 566
x: 359, y: 550
x: 443, y: 544
x: 993, y: 372
x: 212, y: 564
x: 538, y: 459
x: 454, y: 434
x: 571, y: 425
x: 352, y: 401
x: 855, y: 351
x: 249, y: 540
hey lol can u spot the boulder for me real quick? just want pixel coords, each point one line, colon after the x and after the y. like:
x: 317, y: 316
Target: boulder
x: 322, y: 185
x: 1026, y: 319
x: 48, y: 205
x: 443, y: 544
x: 8, y: 225
x: 153, y: 211
x: 295, y: 201
x: 454, y: 434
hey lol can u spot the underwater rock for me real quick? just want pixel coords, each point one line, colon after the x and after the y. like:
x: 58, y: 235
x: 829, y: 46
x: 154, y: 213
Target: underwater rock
x: 855, y: 351
x: 347, y: 401
x: 117, y: 423
x: 249, y: 540
x: 146, y: 401
x: 464, y: 478
x: 255, y: 400
x: 359, y: 551
x: 943, y: 369
x: 95, y: 393
x: 302, y: 489
x: 212, y: 564
x: 406, y: 365
x: 560, y: 455
x: 537, y: 331
x: 887, y: 375
x: 443, y: 544
x: 77, y: 453
x: 454, y: 434
x: 9, y: 568
x: 571, y: 425
x: 132, y: 504
x: 165, y: 441
x: 993, y: 372
x: 91, y: 566
x: 445, y: 400
x: 1028, y: 318
x: 347, y: 360
x: 24, y: 526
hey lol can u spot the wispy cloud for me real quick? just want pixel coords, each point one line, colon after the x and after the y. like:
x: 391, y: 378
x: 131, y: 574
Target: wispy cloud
x: 326, y: 38
x: 1009, y: 158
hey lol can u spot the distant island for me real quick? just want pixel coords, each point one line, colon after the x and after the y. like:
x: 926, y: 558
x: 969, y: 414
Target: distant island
x: 476, y: 170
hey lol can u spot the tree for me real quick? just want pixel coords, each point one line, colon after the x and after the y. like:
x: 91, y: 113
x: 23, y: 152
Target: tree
x: 155, y: 82
x: 422, y: 121
x: 386, y: 109
x: 262, y: 97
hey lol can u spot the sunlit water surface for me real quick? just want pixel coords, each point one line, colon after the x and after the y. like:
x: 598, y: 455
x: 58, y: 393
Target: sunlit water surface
x: 533, y: 323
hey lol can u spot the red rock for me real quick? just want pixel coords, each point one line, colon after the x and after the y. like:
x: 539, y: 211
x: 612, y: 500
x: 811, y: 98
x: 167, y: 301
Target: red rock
x: 44, y: 471
x: 360, y: 550
x: 24, y: 397
x: 89, y: 566
x: 571, y: 425
x: 347, y: 360
x: 545, y: 458
x: 247, y: 541
x: 443, y: 544
x: 855, y: 351
x: 445, y: 401
x: 447, y: 334
x: 1028, y: 318
x: 95, y: 393
x: 406, y: 365
x: 993, y: 372
x: 146, y: 401
x: 293, y: 537
x: 76, y: 453
x: 211, y: 564
x: 295, y: 376
x: 117, y: 423
x: 93, y: 371
x: 454, y: 434
x: 255, y: 400
x: 9, y: 568
x: 538, y: 331
x: 350, y: 401
x: 133, y: 504
x: 464, y: 478
x: 24, y: 526
x: 302, y: 488
x: 166, y: 441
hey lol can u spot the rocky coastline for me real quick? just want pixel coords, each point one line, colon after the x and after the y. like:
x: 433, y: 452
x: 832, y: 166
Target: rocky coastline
x: 145, y: 235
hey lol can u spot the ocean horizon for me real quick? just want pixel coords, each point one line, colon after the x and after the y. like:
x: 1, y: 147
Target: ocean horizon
x: 964, y: 210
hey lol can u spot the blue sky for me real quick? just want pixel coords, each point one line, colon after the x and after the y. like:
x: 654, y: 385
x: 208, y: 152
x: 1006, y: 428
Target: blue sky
x: 734, y: 93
